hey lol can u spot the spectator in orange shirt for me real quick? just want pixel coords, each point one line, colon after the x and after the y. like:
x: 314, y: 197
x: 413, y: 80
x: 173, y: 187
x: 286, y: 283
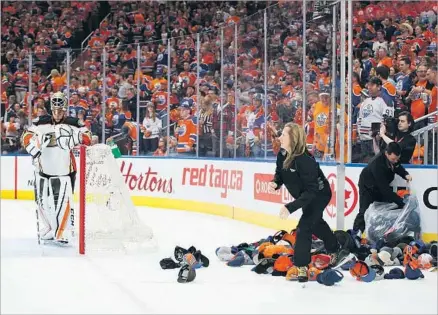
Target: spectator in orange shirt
x: 384, y: 60
x: 321, y: 118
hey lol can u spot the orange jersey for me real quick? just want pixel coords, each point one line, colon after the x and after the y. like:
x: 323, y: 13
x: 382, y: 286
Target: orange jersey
x: 21, y: 80
x: 159, y: 84
x: 321, y: 118
x: 292, y: 41
x: 96, y: 42
x: 132, y: 130
x: 42, y: 52
x: 186, y: 135
x: 160, y: 100
x: 387, y: 61
x: 188, y: 78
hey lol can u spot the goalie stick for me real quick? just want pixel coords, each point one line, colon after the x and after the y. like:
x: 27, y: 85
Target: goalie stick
x: 38, y: 226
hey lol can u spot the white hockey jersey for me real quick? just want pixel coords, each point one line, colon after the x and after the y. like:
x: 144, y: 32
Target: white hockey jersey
x: 371, y: 111
x: 53, y: 160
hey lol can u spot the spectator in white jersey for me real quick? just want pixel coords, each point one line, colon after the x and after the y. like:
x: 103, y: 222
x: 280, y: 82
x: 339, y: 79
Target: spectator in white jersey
x: 372, y: 112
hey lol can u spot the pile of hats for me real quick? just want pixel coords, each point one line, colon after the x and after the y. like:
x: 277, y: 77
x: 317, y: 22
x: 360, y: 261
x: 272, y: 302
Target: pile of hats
x: 187, y: 260
x: 274, y: 255
x: 414, y: 257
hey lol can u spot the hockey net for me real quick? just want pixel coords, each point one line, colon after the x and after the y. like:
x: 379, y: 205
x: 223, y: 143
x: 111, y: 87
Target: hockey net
x: 108, y: 220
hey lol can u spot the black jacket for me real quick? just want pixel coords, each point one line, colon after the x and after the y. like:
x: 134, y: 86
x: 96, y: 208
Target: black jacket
x: 304, y: 180
x: 377, y: 176
x: 407, y: 142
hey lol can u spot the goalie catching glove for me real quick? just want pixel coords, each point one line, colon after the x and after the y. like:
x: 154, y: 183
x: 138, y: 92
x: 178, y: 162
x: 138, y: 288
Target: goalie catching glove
x: 67, y: 137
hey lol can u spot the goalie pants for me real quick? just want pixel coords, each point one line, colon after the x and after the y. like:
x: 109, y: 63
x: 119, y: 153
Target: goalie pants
x: 312, y: 222
x: 72, y: 179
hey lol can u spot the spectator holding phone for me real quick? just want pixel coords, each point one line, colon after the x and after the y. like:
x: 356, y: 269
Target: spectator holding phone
x: 405, y: 125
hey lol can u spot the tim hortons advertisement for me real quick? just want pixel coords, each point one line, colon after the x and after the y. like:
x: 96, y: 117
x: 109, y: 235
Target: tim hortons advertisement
x: 145, y: 179
x: 182, y: 179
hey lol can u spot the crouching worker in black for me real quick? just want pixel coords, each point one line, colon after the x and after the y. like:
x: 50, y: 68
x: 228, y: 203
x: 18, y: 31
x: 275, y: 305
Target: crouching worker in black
x: 300, y: 173
x: 374, y: 182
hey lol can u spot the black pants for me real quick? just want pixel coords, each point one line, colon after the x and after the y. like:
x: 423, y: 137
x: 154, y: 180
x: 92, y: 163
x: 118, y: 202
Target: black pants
x: 205, y: 144
x: 366, y: 197
x: 150, y: 145
x: 311, y: 222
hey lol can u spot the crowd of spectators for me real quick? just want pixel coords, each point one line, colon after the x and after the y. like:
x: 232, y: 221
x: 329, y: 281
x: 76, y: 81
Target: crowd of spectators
x: 221, y: 113
x: 45, y: 30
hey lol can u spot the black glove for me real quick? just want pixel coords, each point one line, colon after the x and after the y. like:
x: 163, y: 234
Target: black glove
x: 168, y: 263
x: 201, y: 258
x: 179, y: 253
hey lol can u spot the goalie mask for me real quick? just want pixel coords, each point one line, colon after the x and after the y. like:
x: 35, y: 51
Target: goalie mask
x: 58, y: 101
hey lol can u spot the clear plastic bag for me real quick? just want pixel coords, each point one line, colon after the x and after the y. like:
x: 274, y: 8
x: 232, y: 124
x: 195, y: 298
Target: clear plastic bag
x: 388, y: 222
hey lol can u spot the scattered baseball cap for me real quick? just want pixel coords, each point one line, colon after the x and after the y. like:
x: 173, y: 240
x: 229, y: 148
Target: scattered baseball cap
x: 321, y: 261
x: 282, y: 265
x: 186, y: 274
x: 362, y: 272
x: 329, y: 277
x: 265, y: 266
x: 224, y: 253
x: 313, y: 273
x: 419, y: 245
x: 395, y: 273
x: 240, y: 259
x: 349, y: 264
x: 380, y: 272
x: 425, y: 261
x: 413, y: 273
x: 292, y: 274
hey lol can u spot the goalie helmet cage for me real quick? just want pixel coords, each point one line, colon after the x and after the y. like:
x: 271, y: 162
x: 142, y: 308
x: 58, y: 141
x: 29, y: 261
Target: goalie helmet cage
x: 108, y: 220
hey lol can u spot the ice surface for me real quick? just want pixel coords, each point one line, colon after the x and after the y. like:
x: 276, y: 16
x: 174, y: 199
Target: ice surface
x: 53, y: 280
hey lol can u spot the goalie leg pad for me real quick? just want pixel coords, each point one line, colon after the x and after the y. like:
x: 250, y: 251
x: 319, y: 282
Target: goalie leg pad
x: 60, y: 203
x: 43, y: 210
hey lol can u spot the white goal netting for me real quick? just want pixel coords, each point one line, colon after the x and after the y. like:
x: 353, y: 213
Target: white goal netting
x: 111, y: 221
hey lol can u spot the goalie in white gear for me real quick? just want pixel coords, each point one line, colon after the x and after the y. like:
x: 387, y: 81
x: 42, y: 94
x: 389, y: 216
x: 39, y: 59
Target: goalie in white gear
x: 50, y: 141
